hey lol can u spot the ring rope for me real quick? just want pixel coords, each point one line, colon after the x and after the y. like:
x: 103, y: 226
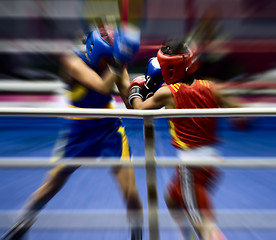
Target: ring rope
x: 228, y: 162
x: 126, y: 113
x: 150, y: 160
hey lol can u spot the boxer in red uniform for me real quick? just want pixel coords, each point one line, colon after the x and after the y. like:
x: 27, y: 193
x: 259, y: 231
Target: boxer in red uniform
x: 188, y: 192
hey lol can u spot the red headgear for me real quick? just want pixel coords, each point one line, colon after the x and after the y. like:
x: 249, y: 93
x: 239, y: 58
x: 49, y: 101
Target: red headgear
x: 175, y: 68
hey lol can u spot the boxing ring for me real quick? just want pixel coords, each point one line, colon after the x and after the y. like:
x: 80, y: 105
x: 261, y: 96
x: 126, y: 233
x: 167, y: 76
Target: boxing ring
x: 153, y: 218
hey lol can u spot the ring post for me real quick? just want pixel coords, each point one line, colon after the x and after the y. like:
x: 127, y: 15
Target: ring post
x: 151, y: 178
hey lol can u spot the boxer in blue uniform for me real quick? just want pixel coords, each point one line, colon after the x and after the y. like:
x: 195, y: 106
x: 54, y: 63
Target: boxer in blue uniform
x: 91, y: 76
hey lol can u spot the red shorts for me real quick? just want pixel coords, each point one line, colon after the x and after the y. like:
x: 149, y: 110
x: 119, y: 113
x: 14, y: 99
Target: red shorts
x: 203, y: 181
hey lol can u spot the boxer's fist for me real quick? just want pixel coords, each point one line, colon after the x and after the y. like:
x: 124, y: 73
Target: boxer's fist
x: 137, y: 89
x: 126, y: 44
x: 153, y: 76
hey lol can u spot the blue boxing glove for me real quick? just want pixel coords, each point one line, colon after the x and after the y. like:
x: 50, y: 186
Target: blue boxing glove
x: 145, y: 86
x: 154, y: 79
x: 116, y: 47
x: 126, y: 44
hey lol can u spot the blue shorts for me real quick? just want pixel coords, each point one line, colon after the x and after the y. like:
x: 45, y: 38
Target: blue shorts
x: 97, y: 138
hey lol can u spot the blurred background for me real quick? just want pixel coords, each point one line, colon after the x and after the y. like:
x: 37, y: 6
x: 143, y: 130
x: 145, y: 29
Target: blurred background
x: 238, y: 40
x: 240, y: 33
x: 238, y: 37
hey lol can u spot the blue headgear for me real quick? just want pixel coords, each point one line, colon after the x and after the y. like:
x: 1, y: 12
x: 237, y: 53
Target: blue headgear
x: 125, y: 44
x: 97, y: 47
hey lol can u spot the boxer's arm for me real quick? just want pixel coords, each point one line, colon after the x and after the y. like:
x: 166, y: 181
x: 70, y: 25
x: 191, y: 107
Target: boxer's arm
x: 162, y: 98
x: 225, y: 102
x: 77, y: 69
x: 123, y: 84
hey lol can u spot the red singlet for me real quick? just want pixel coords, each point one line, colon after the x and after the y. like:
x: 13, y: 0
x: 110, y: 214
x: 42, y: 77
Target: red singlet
x: 190, y: 132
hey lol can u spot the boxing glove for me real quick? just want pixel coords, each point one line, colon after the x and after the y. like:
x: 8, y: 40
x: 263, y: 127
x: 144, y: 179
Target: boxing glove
x: 126, y: 44
x: 137, y: 89
x: 153, y: 76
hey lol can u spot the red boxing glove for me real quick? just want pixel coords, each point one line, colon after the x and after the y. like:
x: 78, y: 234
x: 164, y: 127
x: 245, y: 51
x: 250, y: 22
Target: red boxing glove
x: 137, y: 89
